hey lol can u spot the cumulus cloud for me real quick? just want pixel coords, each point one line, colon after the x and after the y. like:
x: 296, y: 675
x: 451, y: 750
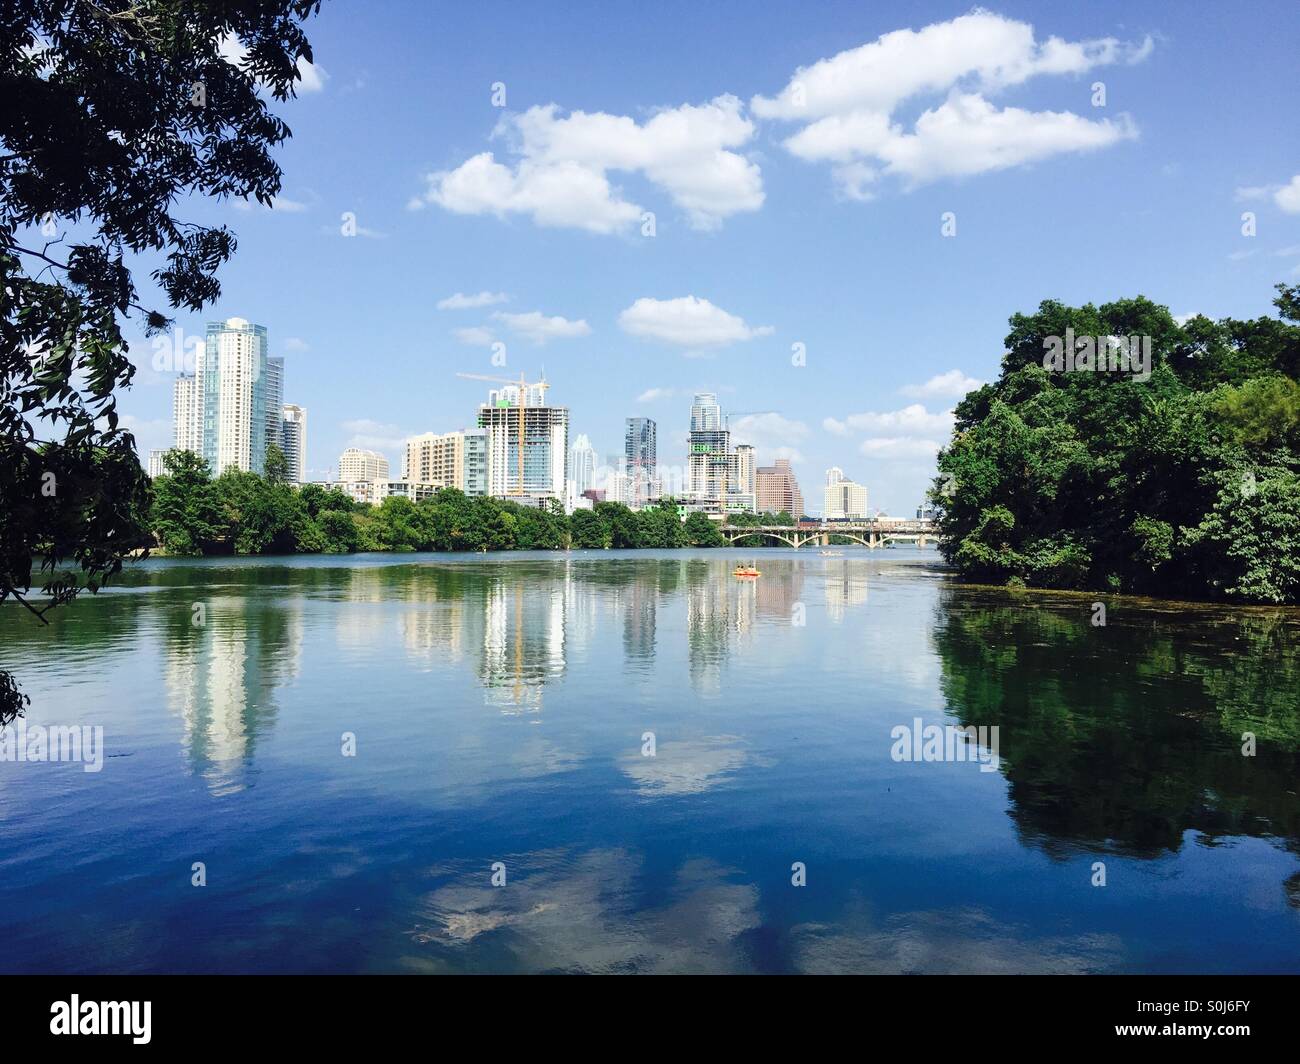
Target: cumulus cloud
x: 909, y: 433
x: 687, y: 322
x: 848, y: 103
x: 460, y: 301
x: 539, y: 328
x: 559, y: 172
x: 771, y: 435
x: 374, y: 435
x: 1288, y: 196
x: 948, y: 385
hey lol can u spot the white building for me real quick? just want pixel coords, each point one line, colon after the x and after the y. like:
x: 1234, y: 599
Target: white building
x: 582, y: 464
x: 357, y: 465
x: 530, y: 468
x: 231, y: 391
x: 842, y: 498
x: 156, y: 467
x: 186, y: 410
x: 375, y: 492
x: 293, y: 440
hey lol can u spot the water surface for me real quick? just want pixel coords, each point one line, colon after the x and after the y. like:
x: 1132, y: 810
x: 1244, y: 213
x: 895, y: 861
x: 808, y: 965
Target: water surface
x: 501, y: 708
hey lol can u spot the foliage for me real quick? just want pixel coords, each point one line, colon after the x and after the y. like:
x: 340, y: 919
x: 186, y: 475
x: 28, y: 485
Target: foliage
x: 1183, y: 484
x: 114, y: 112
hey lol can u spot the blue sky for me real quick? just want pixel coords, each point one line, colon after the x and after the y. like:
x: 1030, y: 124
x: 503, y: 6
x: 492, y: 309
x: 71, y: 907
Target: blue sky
x: 793, y: 204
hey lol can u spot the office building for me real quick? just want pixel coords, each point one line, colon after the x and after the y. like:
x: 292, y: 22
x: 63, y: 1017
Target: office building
x: 582, y: 464
x: 641, y: 461
x: 842, y: 498
x: 275, y: 402
x: 777, y: 490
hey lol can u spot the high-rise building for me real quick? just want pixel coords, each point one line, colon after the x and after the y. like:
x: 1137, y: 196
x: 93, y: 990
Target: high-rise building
x: 474, y: 471
x: 156, y: 467
x: 448, y: 460
x: 842, y: 498
x: 582, y: 464
x: 187, y: 407
x: 710, y: 462
x: 745, y: 492
x: 356, y: 464
x: 527, y: 443
x: 232, y: 389
x: 275, y: 402
x: 293, y: 440
x: 641, y: 461
x: 777, y: 489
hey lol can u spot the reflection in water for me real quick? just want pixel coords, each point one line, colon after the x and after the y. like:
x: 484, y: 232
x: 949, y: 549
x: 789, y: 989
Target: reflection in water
x: 221, y: 679
x: 1123, y: 742
x: 1125, y: 737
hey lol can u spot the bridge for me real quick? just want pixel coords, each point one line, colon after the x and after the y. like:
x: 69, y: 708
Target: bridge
x: 873, y: 532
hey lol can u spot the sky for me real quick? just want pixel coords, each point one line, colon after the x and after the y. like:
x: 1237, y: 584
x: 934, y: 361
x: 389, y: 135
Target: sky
x: 825, y: 213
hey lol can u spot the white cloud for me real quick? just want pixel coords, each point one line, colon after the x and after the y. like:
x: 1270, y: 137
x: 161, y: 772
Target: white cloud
x: 911, y: 420
x: 1288, y: 196
x: 560, y: 176
x: 278, y: 203
x: 651, y: 395
x: 294, y: 343
x: 311, y: 78
x: 538, y: 328
x: 475, y: 336
x: 950, y: 385
x: 850, y: 100
x: 687, y: 322
x: 375, y: 435
x: 899, y: 447
x: 460, y: 301
x: 772, y: 435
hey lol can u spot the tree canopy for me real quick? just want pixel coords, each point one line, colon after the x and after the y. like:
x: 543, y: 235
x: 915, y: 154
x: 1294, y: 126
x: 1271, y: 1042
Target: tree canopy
x: 1184, y: 484
x: 114, y: 113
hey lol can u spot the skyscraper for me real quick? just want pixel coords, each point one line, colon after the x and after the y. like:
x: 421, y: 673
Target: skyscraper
x: 582, y: 464
x: 745, y: 494
x: 275, y: 402
x: 187, y: 406
x: 525, y: 436
x: 711, y: 464
x: 231, y: 389
x: 293, y: 440
x: 641, y: 459
x: 777, y: 489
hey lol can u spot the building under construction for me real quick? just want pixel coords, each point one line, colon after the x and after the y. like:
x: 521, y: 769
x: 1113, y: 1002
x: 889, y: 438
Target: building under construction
x: 527, y: 441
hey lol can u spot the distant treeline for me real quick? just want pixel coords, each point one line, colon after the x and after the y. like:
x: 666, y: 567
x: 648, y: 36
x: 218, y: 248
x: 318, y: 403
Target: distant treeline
x: 193, y: 512
x: 1183, y: 484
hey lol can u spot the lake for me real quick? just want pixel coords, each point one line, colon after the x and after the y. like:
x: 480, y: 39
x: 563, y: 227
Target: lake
x: 633, y: 761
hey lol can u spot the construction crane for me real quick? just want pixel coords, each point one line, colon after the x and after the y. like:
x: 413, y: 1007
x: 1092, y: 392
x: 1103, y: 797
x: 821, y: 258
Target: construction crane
x: 523, y: 387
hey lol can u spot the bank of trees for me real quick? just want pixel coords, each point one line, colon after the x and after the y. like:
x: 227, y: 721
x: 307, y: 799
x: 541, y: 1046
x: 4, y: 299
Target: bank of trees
x: 193, y: 512
x: 1186, y: 484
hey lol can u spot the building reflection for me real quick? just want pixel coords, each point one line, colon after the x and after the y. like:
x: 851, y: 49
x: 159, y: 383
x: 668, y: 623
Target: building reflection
x: 844, y: 586
x: 221, y: 679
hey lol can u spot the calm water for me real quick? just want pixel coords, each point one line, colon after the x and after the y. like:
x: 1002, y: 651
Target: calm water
x: 499, y: 705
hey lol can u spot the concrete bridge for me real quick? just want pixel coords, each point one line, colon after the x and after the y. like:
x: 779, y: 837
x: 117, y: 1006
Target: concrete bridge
x: 872, y: 533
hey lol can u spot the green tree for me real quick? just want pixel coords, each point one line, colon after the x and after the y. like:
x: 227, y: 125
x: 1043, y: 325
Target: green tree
x: 186, y: 515
x: 114, y: 113
x: 699, y: 531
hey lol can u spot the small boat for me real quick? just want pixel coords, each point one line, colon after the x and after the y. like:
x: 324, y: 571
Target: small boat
x: 745, y: 570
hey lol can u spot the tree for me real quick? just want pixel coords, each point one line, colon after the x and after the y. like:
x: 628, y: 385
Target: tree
x: 185, y: 515
x: 702, y: 532
x: 1183, y: 480
x: 276, y: 466
x: 114, y: 112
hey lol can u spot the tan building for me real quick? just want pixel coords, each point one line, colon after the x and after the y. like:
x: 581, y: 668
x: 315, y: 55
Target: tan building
x: 435, y: 458
x: 777, y: 489
x: 842, y: 497
x: 357, y: 465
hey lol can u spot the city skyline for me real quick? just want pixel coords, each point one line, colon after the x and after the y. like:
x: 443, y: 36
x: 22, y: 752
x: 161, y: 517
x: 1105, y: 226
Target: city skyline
x: 782, y: 247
